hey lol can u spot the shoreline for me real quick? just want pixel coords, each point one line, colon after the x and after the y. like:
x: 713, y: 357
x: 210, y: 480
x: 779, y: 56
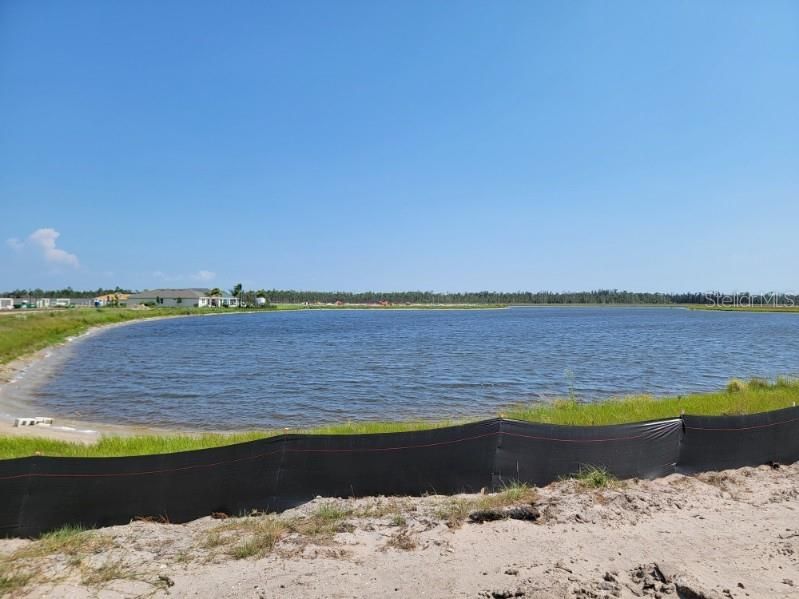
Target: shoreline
x: 21, y: 376
x: 88, y: 431
x: 65, y: 428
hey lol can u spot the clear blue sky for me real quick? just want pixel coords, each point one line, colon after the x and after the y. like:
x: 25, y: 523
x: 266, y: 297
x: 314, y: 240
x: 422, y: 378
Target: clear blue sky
x: 400, y: 145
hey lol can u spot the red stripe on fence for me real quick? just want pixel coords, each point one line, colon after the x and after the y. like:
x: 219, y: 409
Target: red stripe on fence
x: 322, y: 450
x: 743, y: 428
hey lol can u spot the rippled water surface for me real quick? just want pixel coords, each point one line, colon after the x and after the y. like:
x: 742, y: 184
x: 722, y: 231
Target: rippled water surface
x: 310, y: 367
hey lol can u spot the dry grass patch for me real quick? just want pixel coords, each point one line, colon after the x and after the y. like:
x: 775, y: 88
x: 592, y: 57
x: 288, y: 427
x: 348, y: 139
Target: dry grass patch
x: 402, y: 541
x: 327, y: 520
x: 259, y: 535
x: 247, y: 537
x: 107, y: 572
x: 13, y: 578
x: 70, y: 541
x: 385, y: 507
x: 717, y: 479
x: 725, y: 483
x: 455, y: 511
x: 398, y: 520
x: 213, y: 539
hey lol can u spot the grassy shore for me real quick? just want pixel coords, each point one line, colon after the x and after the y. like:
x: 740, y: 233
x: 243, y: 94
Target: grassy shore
x: 740, y: 397
x: 747, y: 308
x: 109, y: 446
x: 24, y: 332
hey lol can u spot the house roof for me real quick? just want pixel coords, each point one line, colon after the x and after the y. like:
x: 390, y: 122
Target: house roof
x: 193, y: 293
x: 110, y: 297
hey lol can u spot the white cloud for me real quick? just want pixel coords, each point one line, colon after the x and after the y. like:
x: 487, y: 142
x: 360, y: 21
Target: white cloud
x: 43, y: 241
x: 204, y: 275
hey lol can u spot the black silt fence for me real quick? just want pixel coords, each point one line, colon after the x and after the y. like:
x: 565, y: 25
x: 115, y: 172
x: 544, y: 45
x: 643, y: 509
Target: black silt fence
x: 722, y: 442
x: 40, y: 493
x: 541, y: 453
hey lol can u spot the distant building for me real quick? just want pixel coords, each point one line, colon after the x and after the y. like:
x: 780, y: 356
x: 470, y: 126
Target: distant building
x: 187, y: 298
x: 23, y: 302
x: 6, y: 303
x: 111, y: 299
x: 219, y: 301
x: 82, y: 302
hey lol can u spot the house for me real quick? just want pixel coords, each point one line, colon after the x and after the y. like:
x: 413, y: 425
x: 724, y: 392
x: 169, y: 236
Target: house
x: 6, y: 303
x: 219, y: 301
x: 111, y: 299
x: 43, y: 302
x: 187, y: 298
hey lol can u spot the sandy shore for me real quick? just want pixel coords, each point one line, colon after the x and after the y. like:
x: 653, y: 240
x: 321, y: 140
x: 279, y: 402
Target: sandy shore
x: 19, y: 378
x: 730, y: 534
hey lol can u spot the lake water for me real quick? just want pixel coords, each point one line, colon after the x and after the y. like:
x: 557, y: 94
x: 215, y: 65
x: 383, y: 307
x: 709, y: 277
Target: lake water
x: 310, y: 367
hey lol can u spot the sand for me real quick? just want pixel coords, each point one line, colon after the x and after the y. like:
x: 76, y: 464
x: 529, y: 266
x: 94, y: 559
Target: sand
x: 730, y: 534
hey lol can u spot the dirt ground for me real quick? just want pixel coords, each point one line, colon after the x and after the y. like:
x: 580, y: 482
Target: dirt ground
x: 728, y: 534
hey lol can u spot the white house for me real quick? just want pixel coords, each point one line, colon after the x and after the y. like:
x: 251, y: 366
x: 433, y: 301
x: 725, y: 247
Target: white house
x: 218, y: 301
x: 6, y: 303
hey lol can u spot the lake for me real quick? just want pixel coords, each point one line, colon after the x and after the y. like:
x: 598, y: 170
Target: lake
x: 299, y: 368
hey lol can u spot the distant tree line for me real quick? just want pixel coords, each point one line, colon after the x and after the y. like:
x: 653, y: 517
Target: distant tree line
x: 68, y: 292
x: 599, y: 296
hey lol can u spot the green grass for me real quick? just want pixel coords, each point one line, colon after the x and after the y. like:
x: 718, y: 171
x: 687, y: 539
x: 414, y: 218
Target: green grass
x: 594, y: 477
x: 114, y: 446
x: 516, y: 492
x: 111, y: 446
x: 739, y: 397
x: 747, y: 308
x: 258, y: 536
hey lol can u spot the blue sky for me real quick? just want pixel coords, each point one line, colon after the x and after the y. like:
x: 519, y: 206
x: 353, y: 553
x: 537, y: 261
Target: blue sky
x: 400, y: 145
